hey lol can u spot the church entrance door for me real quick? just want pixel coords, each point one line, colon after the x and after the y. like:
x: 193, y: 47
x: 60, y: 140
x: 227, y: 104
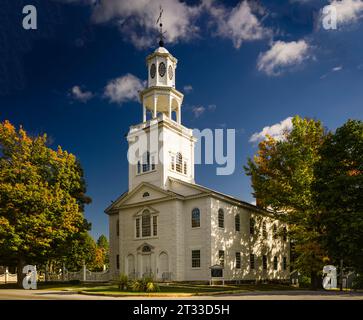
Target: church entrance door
x: 146, y: 265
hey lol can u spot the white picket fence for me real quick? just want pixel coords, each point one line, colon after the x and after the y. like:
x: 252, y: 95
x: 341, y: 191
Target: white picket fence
x: 8, y: 277
x: 65, y: 275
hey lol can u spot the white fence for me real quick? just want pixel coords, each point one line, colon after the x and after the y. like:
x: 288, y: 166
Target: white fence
x: 8, y: 277
x: 65, y: 275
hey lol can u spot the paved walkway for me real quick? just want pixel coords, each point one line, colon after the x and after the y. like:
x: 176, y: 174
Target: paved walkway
x: 18, y: 294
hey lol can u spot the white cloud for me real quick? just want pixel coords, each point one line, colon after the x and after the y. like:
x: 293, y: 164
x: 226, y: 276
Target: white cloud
x: 276, y: 131
x: 335, y: 69
x: 188, y: 88
x: 238, y: 24
x: 79, y: 95
x: 338, y: 68
x: 123, y: 89
x: 212, y: 107
x: 137, y: 19
x: 347, y: 11
x: 282, y: 55
x: 198, y: 111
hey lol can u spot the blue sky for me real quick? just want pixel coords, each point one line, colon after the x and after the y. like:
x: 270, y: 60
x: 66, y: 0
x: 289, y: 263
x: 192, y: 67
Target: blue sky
x: 241, y: 65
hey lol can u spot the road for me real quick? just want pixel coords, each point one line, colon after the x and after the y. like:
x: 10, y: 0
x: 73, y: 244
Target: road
x: 18, y: 294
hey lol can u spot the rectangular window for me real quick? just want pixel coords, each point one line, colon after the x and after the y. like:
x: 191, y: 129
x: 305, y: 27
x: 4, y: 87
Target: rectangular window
x: 155, y: 225
x: 221, y: 257
x: 264, y: 262
x: 275, y: 263
x: 238, y: 260
x: 138, y: 167
x: 146, y: 225
x: 252, y: 261
x: 252, y: 226
x: 117, y: 262
x: 138, y: 228
x: 185, y: 167
x: 195, y: 218
x: 195, y: 258
x: 284, y: 263
x: 237, y: 222
x: 117, y: 227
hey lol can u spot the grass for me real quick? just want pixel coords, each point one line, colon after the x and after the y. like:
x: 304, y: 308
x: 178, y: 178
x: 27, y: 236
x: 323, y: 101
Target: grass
x: 171, y: 289
x: 189, y: 289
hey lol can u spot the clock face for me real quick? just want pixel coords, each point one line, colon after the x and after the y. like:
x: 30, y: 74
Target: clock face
x: 153, y: 70
x: 162, y: 69
x: 171, y: 72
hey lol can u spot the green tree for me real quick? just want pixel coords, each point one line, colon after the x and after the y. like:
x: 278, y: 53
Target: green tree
x: 104, y: 246
x: 282, y: 174
x: 82, y: 249
x: 42, y: 197
x: 339, y: 194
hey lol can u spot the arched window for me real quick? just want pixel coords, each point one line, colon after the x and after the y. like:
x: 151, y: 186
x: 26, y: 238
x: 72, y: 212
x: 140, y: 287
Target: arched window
x: 195, y: 218
x: 146, y: 248
x: 274, y: 231
x: 275, y: 263
x: 179, y: 162
x: 221, y: 218
x: 146, y: 224
x: 237, y: 222
x: 146, y: 194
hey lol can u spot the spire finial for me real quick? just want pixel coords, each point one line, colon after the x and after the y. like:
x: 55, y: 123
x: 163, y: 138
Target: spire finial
x: 161, y: 33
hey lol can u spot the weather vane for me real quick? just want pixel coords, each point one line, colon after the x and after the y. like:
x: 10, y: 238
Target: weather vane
x: 161, y: 33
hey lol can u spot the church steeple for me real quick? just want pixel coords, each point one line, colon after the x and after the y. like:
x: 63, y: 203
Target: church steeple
x: 160, y: 96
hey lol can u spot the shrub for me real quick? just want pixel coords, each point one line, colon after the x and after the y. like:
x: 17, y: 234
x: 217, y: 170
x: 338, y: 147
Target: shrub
x: 145, y: 284
x: 123, y: 282
x: 358, y: 282
x: 152, y: 287
x: 137, y: 285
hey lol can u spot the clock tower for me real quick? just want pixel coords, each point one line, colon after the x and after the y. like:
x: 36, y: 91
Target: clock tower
x: 161, y: 146
x: 160, y: 96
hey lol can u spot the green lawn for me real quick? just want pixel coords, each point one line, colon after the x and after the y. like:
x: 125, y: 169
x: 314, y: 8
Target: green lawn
x: 173, y: 288
x: 189, y: 289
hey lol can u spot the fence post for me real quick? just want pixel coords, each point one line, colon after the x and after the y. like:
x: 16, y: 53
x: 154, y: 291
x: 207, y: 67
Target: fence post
x: 63, y: 272
x: 84, y: 272
x: 6, y: 274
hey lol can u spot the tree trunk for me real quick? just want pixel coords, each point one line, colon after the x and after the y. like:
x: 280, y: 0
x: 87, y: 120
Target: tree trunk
x: 20, y: 274
x: 315, y: 281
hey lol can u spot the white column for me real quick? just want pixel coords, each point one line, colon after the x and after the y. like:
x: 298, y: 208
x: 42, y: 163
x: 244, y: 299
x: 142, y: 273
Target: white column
x: 178, y: 118
x: 170, y: 100
x: 155, y: 104
x: 143, y: 113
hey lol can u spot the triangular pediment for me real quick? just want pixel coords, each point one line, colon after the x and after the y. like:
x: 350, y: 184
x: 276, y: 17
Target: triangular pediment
x: 145, y: 192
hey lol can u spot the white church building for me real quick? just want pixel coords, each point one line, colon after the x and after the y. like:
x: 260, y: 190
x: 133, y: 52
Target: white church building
x: 167, y: 226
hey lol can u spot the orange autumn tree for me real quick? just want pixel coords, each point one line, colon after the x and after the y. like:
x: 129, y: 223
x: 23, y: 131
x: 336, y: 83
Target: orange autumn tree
x: 42, y: 198
x: 282, y: 174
